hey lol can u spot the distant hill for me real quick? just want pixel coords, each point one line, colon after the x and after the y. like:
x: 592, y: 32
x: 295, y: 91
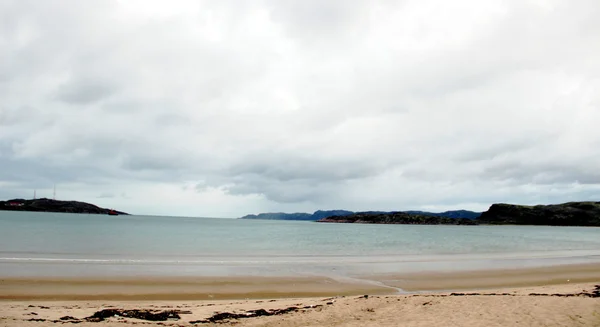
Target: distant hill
x: 49, y: 205
x: 280, y: 216
x: 450, y: 214
x: 397, y: 218
x: 320, y: 214
x: 566, y: 214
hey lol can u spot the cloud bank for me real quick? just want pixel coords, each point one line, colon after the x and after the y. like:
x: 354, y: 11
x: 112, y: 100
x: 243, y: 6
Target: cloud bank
x: 222, y: 108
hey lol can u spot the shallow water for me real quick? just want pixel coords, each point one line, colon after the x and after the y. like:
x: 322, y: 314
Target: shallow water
x: 56, y: 244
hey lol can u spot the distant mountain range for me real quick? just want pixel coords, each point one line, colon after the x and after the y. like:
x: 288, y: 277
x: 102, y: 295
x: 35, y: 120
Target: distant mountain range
x: 321, y: 214
x: 49, y: 205
x: 565, y: 214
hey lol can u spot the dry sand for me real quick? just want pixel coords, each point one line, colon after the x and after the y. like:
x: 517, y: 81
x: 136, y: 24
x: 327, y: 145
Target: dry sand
x: 560, y: 302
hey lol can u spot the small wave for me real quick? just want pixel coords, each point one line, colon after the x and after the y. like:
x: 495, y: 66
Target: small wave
x: 155, y: 262
x: 314, y: 260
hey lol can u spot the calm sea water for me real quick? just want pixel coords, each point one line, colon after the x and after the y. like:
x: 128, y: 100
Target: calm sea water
x: 54, y: 244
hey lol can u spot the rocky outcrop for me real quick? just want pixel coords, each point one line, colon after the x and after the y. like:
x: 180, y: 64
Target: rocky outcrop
x: 49, y: 205
x: 566, y: 214
x: 397, y: 218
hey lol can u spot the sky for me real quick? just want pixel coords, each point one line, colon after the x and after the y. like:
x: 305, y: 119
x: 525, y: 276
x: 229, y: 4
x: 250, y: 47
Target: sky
x: 221, y: 108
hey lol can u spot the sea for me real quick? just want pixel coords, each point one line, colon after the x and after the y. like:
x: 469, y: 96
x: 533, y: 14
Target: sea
x: 80, y: 245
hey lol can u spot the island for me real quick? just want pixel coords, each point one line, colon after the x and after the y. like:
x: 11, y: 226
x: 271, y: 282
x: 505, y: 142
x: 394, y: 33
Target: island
x: 49, y: 205
x: 566, y: 214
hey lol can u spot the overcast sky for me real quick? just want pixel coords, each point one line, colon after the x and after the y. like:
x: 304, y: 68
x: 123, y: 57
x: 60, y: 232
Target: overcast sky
x: 224, y: 108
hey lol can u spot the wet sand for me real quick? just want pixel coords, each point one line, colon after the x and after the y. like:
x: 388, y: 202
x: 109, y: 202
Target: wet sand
x: 486, y: 279
x: 201, y: 288
x: 214, y: 288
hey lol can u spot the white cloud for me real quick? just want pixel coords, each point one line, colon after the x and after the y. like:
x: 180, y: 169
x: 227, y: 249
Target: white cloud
x: 222, y: 108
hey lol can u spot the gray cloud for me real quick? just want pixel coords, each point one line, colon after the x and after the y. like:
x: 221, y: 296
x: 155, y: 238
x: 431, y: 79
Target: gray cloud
x: 222, y: 108
x: 81, y: 92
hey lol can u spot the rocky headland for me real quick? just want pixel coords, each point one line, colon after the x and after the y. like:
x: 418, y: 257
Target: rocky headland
x: 566, y: 214
x: 49, y: 205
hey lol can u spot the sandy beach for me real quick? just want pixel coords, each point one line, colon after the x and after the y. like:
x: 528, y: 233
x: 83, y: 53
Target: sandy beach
x: 551, y: 296
x: 558, y: 305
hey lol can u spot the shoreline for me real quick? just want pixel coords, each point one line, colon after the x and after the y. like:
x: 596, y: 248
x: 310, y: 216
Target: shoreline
x: 153, y: 288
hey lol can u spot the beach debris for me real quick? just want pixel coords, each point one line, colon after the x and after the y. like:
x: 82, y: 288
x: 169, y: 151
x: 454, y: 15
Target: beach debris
x: 149, y: 315
x: 225, y: 316
x: 312, y: 306
x: 67, y: 318
x: 594, y: 293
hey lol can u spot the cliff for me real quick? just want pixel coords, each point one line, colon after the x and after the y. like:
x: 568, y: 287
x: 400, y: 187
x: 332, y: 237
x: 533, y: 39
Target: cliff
x: 48, y: 205
x: 566, y: 214
x: 397, y: 218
